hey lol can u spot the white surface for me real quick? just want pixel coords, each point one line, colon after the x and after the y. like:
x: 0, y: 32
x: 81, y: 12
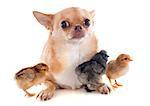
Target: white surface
x: 121, y: 26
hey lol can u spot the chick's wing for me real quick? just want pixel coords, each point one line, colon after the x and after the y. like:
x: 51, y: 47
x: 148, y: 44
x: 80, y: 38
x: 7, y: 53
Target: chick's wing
x: 26, y: 74
x: 97, y: 68
x: 83, y: 68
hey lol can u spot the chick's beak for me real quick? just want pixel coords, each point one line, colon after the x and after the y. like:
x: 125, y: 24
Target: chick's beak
x: 130, y: 59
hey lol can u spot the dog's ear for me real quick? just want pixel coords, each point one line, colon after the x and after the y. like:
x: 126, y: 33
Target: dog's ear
x: 92, y: 13
x: 44, y: 19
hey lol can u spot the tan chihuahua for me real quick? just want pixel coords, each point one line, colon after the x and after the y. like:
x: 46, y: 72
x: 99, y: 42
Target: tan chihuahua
x: 71, y: 42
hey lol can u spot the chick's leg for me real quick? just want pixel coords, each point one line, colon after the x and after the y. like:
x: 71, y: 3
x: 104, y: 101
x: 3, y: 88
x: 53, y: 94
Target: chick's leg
x: 118, y: 84
x: 48, y: 92
x: 29, y: 94
x: 113, y: 85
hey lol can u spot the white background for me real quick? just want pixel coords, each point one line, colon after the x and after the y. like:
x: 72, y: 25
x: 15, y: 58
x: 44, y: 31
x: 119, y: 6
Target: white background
x: 122, y: 26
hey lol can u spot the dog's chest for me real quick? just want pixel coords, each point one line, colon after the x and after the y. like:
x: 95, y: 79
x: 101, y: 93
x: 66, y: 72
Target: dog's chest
x: 72, y: 57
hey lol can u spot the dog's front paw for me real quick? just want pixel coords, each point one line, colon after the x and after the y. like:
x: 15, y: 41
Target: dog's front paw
x: 45, y: 95
x: 104, y: 89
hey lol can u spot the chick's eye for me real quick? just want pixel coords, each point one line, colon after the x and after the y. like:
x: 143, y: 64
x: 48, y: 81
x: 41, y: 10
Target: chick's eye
x: 44, y: 69
x: 65, y: 24
x: 87, y: 22
x: 125, y: 58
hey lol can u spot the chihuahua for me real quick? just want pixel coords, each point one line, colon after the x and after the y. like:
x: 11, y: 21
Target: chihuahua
x: 71, y: 42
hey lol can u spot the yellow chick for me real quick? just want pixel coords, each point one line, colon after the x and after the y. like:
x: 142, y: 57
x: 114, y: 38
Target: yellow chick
x: 117, y: 68
x: 30, y: 76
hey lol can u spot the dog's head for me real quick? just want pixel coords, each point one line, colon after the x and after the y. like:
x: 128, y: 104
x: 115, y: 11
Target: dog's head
x: 71, y: 23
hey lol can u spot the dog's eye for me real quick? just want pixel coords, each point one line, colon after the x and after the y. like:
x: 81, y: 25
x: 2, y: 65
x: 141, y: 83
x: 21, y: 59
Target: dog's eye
x: 65, y: 24
x: 87, y: 22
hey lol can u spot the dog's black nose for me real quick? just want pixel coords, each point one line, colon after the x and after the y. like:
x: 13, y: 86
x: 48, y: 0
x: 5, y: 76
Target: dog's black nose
x: 78, y: 28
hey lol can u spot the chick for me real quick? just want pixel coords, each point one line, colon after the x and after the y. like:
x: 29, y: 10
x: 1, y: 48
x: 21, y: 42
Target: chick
x: 117, y: 68
x: 30, y: 76
x: 90, y: 73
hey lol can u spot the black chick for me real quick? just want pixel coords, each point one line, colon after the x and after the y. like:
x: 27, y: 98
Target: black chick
x: 90, y: 73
